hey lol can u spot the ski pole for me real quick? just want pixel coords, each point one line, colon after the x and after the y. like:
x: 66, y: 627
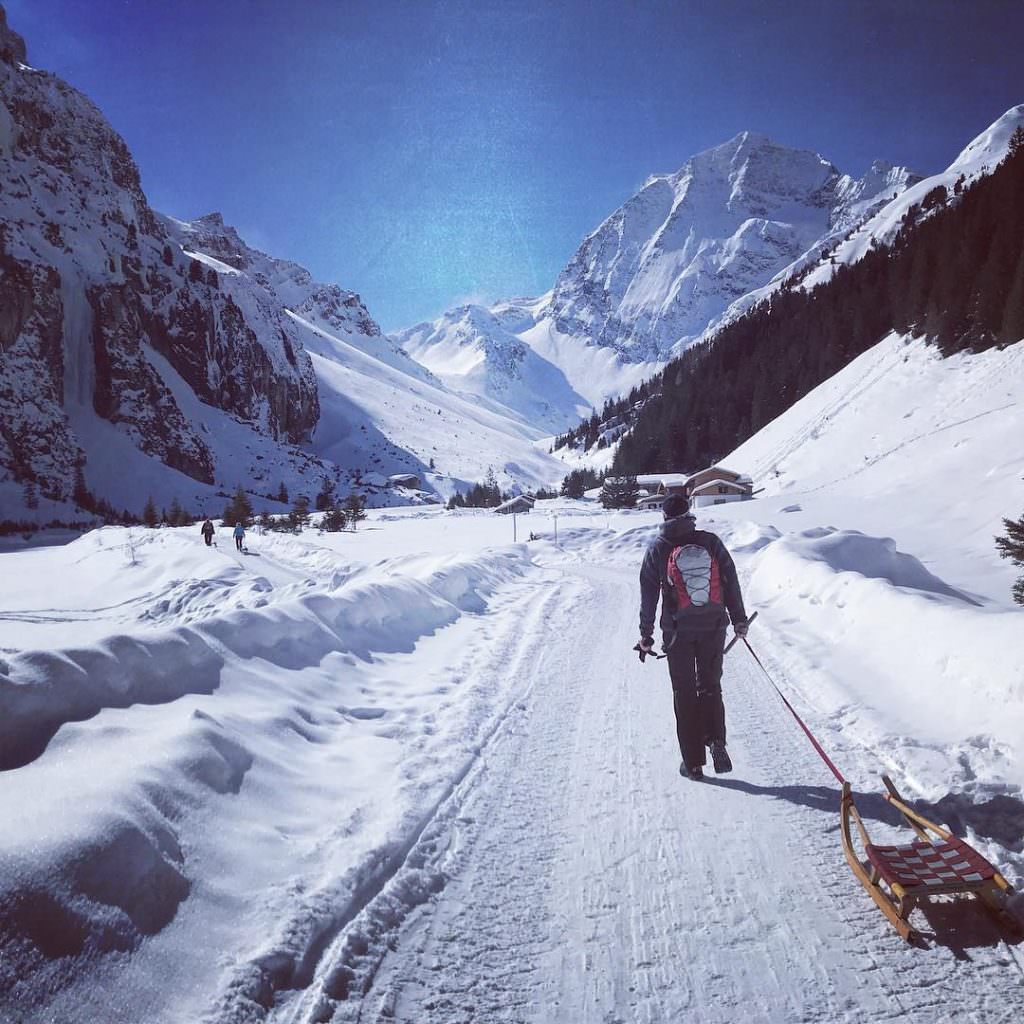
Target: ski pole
x: 732, y: 642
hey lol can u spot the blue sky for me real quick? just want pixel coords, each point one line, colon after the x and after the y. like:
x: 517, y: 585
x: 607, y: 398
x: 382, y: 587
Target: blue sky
x: 425, y: 153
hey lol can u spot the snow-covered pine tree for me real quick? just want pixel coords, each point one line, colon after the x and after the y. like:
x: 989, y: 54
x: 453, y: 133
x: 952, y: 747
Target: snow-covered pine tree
x: 82, y: 495
x: 1012, y: 546
x: 577, y: 481
x: 334, y: 521
x: 242, y: 506
x: 620, y: 492
x: 149, y: 513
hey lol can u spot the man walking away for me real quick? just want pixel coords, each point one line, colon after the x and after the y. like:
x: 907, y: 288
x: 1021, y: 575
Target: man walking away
x: 207, y: 531
x: 239, y: 535
x: 696, y: 578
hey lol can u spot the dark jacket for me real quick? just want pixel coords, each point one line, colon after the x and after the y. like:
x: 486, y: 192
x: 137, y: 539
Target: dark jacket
x: 654, y: 582
x: 207, y: 528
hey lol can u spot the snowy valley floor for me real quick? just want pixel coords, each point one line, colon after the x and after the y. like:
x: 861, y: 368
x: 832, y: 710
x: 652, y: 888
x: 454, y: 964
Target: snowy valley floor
x: 417, y: 775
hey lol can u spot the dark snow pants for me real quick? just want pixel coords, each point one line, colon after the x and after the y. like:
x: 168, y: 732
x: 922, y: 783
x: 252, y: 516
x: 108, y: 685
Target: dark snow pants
x: 238, y: 543
x: 695, y: 665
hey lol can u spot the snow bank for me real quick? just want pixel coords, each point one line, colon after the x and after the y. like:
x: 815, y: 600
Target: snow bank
x: 299, y: 686
x: 877, y: 629
x: 382, y: 609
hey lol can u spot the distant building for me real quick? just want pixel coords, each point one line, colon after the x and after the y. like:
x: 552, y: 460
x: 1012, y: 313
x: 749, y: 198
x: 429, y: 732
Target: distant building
x: 663, y: 483
x: 651, y: 501
x: 717, y: 485
x: 712, y: 486
x: 520, y: 503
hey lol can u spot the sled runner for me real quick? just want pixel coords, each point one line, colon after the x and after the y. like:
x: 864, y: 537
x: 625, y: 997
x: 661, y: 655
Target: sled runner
x: 936, y: 863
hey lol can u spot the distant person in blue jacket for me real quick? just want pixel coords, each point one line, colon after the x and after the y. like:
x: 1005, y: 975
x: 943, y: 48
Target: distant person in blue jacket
x: 695, y: 577
x: 239, y: 535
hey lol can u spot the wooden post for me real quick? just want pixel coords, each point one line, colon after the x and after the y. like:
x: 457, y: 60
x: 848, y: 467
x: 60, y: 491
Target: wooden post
x: 514, y: 537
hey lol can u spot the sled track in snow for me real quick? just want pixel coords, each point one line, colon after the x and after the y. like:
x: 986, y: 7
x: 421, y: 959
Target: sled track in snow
x: 329, y: 977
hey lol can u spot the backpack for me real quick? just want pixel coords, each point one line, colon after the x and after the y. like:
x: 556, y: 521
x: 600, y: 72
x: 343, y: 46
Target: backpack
x: 694, y: 577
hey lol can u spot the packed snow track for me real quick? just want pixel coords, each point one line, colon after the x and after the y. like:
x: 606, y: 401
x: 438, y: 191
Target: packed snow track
x: 586, y: 881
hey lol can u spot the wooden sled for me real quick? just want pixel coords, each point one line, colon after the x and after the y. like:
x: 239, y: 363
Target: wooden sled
x: 897, y: 878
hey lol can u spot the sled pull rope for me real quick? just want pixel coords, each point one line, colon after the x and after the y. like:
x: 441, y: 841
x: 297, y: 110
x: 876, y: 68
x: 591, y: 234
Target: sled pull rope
x: 803, y: 725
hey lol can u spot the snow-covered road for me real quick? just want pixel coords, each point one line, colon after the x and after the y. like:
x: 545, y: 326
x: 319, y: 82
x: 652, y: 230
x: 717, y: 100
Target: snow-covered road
x: 587, y: 882
x: 440, y: 788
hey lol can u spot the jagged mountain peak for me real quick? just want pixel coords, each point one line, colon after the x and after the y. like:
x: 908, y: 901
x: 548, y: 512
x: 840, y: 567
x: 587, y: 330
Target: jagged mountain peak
x: 658, y: 271
x: 755, y: 155
x: 12, y: 46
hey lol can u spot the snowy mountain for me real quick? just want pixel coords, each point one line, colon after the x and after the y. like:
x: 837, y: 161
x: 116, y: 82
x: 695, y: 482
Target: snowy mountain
x: 475, y: 350
x: 939, y: 260
x: 512, y: 356
x: 657, y: 274
x: 143, y: 355
x: 848, y: 244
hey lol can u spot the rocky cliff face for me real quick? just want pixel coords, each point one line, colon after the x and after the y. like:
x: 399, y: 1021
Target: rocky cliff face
x: 659, y: 270
x: 103, y: 315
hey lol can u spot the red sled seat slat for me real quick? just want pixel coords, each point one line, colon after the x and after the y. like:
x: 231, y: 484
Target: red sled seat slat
x: 926, y: 865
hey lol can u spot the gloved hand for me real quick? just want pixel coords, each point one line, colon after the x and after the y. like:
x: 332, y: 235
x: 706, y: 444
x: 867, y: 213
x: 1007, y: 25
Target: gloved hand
x: 645, y: 646
x: 740, y: 628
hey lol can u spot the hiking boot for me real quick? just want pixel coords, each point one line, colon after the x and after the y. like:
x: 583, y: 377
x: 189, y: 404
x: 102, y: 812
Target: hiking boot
x: 720, y: 757
x: 696, y: 772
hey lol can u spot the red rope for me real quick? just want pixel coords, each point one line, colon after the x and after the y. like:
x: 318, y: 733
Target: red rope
x: 810, y: 735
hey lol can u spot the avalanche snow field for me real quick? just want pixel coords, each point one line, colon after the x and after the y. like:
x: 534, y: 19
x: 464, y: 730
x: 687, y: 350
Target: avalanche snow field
x: 416, y: 774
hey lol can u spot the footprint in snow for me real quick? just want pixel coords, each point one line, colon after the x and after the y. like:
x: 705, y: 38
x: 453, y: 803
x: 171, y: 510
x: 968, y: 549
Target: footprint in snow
x: 364, y: 714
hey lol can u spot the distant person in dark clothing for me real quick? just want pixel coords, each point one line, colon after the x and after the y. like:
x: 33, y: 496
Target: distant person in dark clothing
x: 207, y: 531
x: 239, y: 535
x: 694, y: 574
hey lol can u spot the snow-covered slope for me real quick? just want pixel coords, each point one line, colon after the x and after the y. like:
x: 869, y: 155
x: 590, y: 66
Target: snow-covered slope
x: 902, y: 427
x: 874, y: 565
x: 654, y: 277
x: 380, y: 410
